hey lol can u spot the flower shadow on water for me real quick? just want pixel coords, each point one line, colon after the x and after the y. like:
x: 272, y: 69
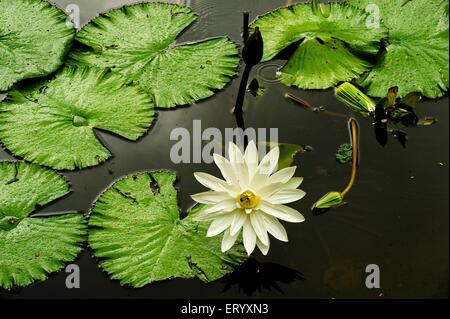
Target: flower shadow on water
x: 253, y: 276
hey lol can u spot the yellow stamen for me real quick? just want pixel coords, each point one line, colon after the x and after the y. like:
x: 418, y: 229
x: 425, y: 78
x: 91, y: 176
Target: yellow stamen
x: 248, y: 200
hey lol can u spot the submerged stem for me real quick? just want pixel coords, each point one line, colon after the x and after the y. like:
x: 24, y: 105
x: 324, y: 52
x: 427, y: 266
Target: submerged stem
x: 307, y: 106
x: 354, y: 141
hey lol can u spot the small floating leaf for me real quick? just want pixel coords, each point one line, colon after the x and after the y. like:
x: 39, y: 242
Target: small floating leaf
x: 32, y: 247
x: 333, y: 38
x: 344, y: 154
x: 416, y: 56
x: 255, y: 89
x: 34, y: 40
x: 55, y: 126
x: 137, y: 42
x: 137, y: 233
x: 287, y: 152
x: 426, y: 121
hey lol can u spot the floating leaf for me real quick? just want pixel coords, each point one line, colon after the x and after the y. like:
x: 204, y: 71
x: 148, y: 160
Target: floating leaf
x: 137, y: 233
x: 333, y: 38
x: 34, y: 40
x: 416, y: 56
x: 137, y: 41
x: 287, y: 152
x: 31, y: 247
x: 344, y: 154
x: 255, y: 89
x: 426, y: 121
x: 52, y: 123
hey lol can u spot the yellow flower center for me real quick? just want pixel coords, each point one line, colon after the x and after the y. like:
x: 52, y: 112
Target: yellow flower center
x: 248, y: 200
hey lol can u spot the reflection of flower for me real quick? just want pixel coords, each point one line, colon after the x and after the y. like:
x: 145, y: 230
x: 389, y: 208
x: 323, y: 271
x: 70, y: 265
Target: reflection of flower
x: 254, y: 276
x: 251, y: 198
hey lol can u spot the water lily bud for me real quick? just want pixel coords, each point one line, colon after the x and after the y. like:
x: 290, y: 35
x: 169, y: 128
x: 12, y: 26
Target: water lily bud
x: 253, y: 49
x: 392, y: 96
x: 329, y: 200
x: 351, y: 96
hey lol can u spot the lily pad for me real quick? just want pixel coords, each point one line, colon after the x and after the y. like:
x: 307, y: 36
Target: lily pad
x: 34, y: 40
x: 32, y: 247
x: 136, y: 231
x: 416, y: 56
x: 137, y: 41
x: 331, y: 42
x: 52, y: 123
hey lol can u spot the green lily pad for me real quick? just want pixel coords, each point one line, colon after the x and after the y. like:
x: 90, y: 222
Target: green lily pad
x: 32, y: 247
x: 333, y: 42
x: 416, y: 55
x: 34, y: 40
x: 52, y: 123
x: 137, y: 233
x: 137, y: 42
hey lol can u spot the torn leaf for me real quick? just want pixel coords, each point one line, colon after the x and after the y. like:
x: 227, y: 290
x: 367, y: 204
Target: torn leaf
x: 137, y: 41
x: 416, y: 56
x: 139, y: 238
x: 331, y: 42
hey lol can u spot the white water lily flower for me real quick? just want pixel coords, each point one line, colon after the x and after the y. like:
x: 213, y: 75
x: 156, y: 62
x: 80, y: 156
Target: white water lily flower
x: 251, y: 198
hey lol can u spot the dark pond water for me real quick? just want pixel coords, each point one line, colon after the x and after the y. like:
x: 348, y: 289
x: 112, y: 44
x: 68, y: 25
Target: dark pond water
x: 398, y: 212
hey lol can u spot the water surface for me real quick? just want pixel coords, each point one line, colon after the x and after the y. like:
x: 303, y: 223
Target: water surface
x: 398, y: 212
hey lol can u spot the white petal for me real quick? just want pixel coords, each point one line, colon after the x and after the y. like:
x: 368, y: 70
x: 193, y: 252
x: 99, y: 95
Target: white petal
x: 225, y: 168
x: 210, y: 197
x: 275, y: 228
x: 269, y: 163
x: 258, y: 181
x: 285, y: 196
x: 235, y: 153
x: 219, y: 225
x: 282, y: 212
x: 294, y: 182
x: 268, y: 189
x: 239, y: 165
x: 206, y: 216
x: 259, y: 227
x: 283, y: 175
x: 228, y: 240
x: 226, y: 205
x: 211, y: 182
x: 251, y: 158
x: 249, y: 237
x: 239, y: 219
x: 263, y: 248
